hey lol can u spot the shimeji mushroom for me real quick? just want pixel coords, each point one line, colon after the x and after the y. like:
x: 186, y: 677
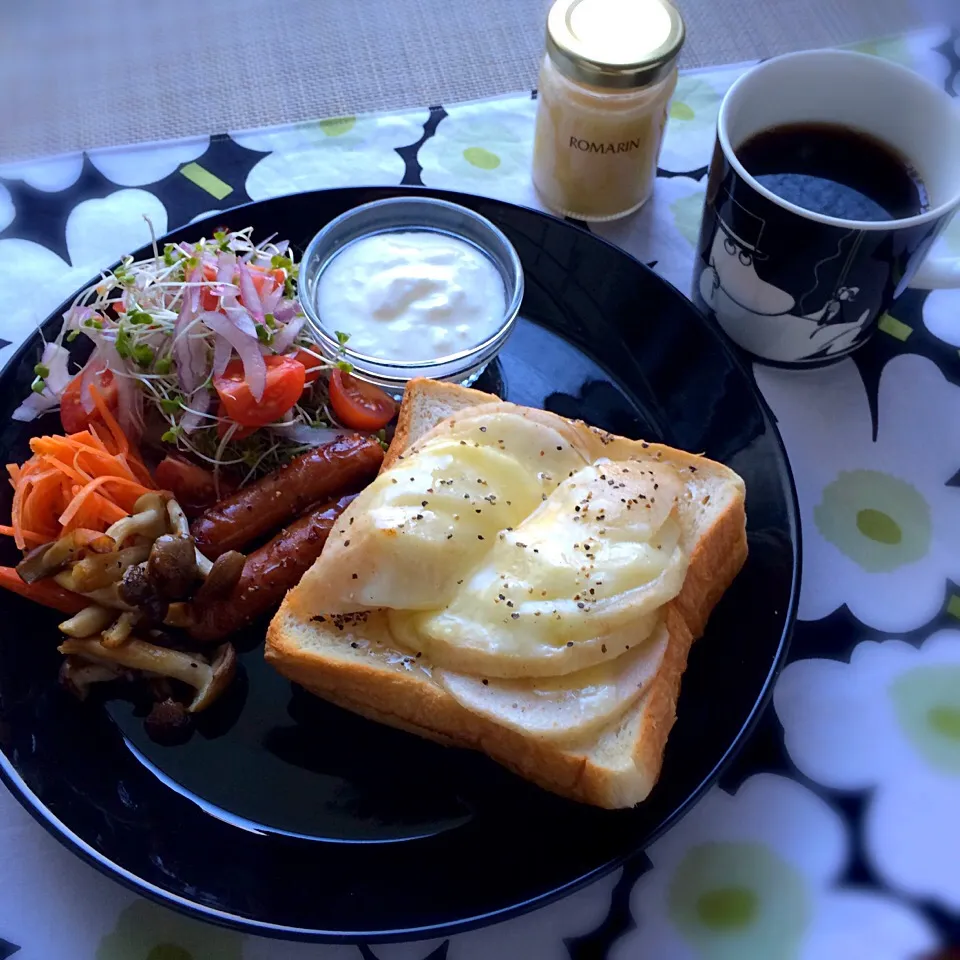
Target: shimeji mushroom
x: 99, y: 570
x: 88, y: 622
x: 172, y: 566
x: 47, y: 559
x: 149, y: 520
x: 105, y: 597
x: 179, y: 525
x: 78, y: 675
x: 121, y: 631
x: 208, y: 678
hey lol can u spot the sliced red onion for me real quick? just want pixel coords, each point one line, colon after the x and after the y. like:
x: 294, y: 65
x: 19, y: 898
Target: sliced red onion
x: 34, y: 406
x: 287, y: 310
x: 190, y: 353
x: 199, y: 404
x: 196, y: 275
x: 222, y: 351
x: 129, y: 398
x: 54, y: 358
x: 304, y: 433
x: 271, y: 297
x: 248, y: 348
x: 282, y: 247
x: 248, y: 291
x: 226, y: 267
x: 95, y: 365
x: 75, y: 316
x: 285, y: 335
x: 240, y: 318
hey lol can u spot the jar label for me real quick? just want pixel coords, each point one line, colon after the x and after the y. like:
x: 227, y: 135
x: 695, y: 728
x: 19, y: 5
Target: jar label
x: 591, y: 146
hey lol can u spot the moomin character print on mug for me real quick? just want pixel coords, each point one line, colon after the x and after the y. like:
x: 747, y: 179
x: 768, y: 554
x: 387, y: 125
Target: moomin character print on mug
x: 761, y: 316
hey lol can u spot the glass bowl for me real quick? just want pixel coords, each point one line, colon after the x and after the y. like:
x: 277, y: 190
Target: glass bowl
x: 411, y: 214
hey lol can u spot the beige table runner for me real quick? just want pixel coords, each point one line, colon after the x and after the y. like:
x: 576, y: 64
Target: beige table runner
x: 88, y: 73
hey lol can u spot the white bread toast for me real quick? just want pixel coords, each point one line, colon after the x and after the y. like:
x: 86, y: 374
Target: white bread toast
x: 352, y: 660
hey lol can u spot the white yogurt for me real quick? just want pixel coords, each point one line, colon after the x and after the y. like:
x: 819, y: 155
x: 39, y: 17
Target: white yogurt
x: 412, y: 295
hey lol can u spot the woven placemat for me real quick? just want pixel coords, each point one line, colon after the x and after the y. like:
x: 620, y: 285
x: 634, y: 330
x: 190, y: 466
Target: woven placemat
x: 90, y: 73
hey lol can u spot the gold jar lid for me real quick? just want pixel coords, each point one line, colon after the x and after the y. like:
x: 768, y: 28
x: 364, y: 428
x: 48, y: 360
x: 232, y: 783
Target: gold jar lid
x: 620, y: 44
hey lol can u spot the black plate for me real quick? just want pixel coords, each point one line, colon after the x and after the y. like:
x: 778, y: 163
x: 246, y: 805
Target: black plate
x: 286, y: 816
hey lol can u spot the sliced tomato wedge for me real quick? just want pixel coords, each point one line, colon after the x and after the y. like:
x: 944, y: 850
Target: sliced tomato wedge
x: 223, y: 425
x: 285, y: 379
x: 192, y: 486
x: 312, y: 364
x: 358, y: 404
x: 72, y: 415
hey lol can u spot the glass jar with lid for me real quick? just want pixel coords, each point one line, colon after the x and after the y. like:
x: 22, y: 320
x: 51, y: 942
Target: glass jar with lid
x: 607, y: 77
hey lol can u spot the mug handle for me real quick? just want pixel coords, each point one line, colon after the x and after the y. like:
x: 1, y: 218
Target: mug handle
x: 937, y: 273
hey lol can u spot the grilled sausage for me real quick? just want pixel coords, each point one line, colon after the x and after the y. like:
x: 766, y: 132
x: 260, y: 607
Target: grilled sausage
x: 331, y: 469
x: 267, y: 574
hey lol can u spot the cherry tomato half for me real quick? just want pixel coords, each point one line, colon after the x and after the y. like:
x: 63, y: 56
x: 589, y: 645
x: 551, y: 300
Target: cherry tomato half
x: 285, y: 379
x: 358, y: 404
x: 72, y: 415
x: 223, y: 425
x: 312, y: 364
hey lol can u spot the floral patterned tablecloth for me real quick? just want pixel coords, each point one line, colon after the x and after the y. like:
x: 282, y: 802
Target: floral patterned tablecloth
x: 836, y: 833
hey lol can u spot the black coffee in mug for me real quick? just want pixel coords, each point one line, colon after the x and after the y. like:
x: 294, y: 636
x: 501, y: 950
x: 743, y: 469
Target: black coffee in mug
x: 812, y: 228
x: 835, y: 171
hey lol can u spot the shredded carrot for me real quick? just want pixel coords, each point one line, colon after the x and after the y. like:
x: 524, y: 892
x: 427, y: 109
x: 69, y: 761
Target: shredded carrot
x: 87, y: 480
x: 80, y: 498
x: 46, y: 592
x: 33, y: 539
x: 123, y: 445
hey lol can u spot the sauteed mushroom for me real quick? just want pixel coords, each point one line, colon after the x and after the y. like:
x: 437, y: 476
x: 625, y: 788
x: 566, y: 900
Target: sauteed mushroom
x: 208, y: 678
x: 149, y: 520
x: 106, y: 597
x: 99, y: 570
x: 88, y: 622
x: 172, y: 566
x: 49, y: 558
x: 168, y: 721
x: 121, y: 631
x: 78, y: 675
x: 222, y: 578
x: 179, y: 525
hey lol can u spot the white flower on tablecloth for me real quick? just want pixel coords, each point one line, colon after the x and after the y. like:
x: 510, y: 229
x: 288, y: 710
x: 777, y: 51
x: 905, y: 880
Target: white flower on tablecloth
x: 484, y: 148
x: 7, y: 211
x: 534, y: 936
x: 204, y: 215
x: 754, y: 876
x: 692, y: 122
x: 665, y: 229
x: 341, y: 152
x: 50, y: 174
x: 138, y: 165
x: 888, y: 722
x: 102, y: 231
x: 880, y: 526
x: 34, y: 280
x: 41, y: 881
x: 913, y: 50
x: 941, y: 309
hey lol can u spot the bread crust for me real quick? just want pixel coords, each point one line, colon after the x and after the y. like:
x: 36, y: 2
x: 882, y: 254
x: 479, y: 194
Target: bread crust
x: 343, y: 662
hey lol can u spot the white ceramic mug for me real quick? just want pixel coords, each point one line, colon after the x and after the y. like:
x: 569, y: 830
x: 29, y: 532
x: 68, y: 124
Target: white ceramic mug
x: 796, y: 287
